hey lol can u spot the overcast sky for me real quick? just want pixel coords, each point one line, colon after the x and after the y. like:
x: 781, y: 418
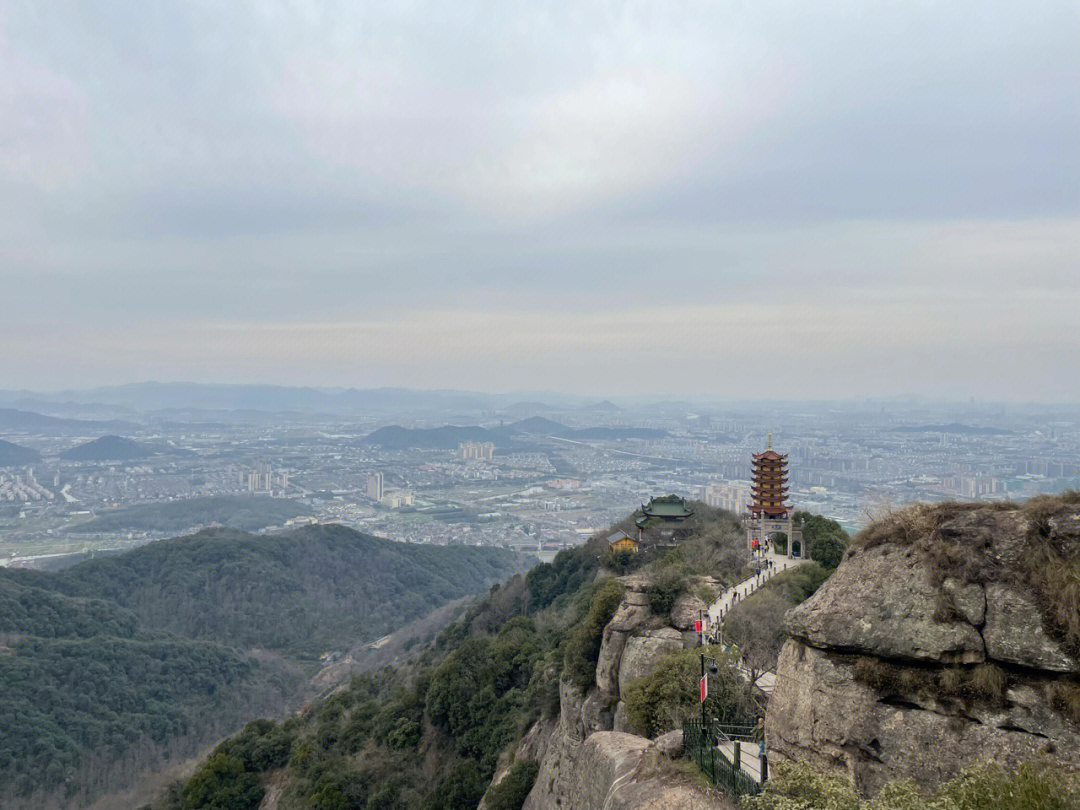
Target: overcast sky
x: 787, y: 199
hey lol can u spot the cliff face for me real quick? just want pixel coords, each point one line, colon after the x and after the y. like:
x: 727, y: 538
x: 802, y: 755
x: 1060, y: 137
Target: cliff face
x: 587, y: 760
x: 945, y: 638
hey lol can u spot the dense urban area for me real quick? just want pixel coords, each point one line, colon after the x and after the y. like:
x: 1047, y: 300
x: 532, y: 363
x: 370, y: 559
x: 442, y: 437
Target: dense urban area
x: 539, y: 474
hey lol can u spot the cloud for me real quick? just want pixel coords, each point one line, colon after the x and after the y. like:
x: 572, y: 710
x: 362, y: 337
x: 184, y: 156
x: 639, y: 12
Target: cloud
x: 43, y: 122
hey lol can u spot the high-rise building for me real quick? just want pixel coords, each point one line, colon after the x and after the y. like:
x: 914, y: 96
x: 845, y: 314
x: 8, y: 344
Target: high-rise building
x: 730, y: 495
x: 261, y: 480
x: 375, y: 486
x: 484, y: 451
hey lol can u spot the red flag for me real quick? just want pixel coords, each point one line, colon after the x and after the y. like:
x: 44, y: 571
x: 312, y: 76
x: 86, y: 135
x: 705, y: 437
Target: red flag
x: 704, y: 687
x: 697, y: 626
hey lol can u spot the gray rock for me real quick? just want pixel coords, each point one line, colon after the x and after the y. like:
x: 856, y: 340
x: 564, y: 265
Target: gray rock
x: 1014, y: 632
x: 642, y: 652
x: 881, y: 603
x: 670, y: 744
x: 607, y: 663
x: 614, y: 771
x: 687, y: 610
x: 820, y: 714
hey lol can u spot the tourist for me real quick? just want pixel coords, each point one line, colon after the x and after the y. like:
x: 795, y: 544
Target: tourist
x: 759, y: 735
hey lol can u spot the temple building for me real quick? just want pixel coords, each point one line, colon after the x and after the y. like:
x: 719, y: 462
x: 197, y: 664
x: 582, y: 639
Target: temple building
x: 769, y: 515
x: 620, y: 541
x: 659, y: 522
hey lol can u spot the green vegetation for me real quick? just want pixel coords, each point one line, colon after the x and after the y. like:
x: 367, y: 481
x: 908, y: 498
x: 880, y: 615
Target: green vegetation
x: 756, y: 624
x: 87, y: 697
x: 15, y: 455
x: 666, y: 697
x: 510, y: 793
x: 826, y: 538
x: 583, y: 647
x: 111, y: 665
x: 302, y: 593
x: 430, y: 734
x: 1031, y: 786
x: 243, y: 512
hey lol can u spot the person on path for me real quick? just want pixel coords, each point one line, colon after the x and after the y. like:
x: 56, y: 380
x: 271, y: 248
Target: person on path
x: 759, y: 735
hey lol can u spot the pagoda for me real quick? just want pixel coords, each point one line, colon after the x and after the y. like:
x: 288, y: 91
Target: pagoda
x: 769, y: 484
x: 768, y: 515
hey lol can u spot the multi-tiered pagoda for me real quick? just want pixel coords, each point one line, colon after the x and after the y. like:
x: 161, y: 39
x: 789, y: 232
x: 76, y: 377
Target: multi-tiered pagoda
x: 769, y: 516
x: 769, y: 484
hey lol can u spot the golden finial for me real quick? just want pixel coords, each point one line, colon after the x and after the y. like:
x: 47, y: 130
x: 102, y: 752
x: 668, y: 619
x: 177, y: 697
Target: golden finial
x: 770, y: 442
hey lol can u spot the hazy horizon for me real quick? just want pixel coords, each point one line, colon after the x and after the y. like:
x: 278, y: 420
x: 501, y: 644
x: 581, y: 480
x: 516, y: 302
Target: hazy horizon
x: 555, y: 398
x: 771, y: 201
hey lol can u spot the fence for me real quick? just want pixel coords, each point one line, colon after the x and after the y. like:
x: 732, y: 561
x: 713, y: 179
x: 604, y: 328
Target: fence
x: 702, y: 747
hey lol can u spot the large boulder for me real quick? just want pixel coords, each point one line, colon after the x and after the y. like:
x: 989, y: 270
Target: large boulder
x: 821, y: 713
x: 932, y: 648
x: 643, y: 652
x: 881, y: 603
x: 614, y: 771
x: 1014, y: 632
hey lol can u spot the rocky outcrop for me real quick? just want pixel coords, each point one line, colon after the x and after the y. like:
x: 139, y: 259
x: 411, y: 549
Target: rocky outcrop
x: 928, y: 650
x: 589, y: 759
x: 614, y: 771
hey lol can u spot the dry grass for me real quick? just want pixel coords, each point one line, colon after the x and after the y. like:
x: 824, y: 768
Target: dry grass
x: 1065, y: 697
x: 984, y: 684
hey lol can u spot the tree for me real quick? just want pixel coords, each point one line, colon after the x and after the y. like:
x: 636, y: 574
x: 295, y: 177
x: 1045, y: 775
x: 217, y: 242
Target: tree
x: 668, y: 695
x: 827, y: 539
x: 222, y: 784
x: 756, y: 627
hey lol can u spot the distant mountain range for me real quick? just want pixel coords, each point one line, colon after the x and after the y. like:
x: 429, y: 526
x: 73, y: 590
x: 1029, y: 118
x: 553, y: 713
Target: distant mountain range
x: 108, y: 448
x: 449, y: 437
x: 29, y: 422
x: 15, y: 455
x: 155, y: 396
x: 954, y: 427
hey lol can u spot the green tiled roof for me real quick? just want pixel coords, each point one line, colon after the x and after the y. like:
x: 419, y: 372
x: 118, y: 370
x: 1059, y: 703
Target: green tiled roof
x: 671, y: 507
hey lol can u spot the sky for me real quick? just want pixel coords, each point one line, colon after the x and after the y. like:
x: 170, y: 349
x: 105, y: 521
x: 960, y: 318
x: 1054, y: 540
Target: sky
x: 731, y: 199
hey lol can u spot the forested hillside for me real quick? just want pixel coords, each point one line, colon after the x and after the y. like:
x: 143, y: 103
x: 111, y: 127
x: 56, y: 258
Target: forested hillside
x: 89, y: 699
x: 428, y: 734
x: 303, y: 593
x: 15, y: 455
x: 113, y: 665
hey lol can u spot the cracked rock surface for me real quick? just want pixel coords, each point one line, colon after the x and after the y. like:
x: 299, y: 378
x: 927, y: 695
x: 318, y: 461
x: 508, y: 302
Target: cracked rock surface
x: 896, y: 608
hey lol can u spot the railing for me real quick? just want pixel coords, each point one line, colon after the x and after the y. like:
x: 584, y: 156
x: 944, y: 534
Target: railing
x: 726, y: 774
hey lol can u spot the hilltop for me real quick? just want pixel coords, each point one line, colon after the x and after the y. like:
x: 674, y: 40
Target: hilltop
x: 15, y: 455
x: 30, y: 422
x: 108, y: 448
x: 335, y: 584
x: 110, y: 666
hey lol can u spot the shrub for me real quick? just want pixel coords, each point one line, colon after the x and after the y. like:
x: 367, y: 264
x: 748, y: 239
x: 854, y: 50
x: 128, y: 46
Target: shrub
x: 661, y: 700
x: 667, y: 585
x: 510, y: 793
x: 583, y: 648
x: 1031, y: 786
